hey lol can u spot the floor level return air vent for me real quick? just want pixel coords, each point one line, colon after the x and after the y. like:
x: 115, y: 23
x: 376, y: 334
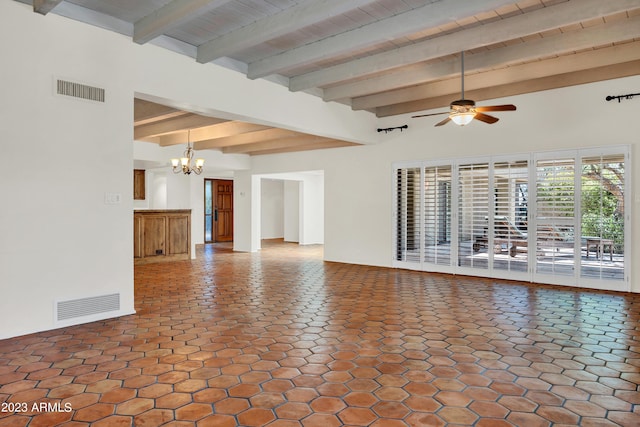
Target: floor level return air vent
x: 83, y: 307
x: 78, y: 90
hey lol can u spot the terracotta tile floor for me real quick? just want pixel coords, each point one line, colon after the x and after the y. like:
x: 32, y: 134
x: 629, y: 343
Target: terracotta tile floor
x: 282, y: 339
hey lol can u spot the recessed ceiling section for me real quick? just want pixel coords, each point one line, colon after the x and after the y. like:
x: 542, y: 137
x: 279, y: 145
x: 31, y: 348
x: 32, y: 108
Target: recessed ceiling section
x: 388, y: 56
x: 167, y: 126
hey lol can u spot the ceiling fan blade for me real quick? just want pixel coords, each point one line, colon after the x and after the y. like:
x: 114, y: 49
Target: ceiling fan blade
x: 485, y: 118
x: 506, y: 107
x: 443, y: 122
x: 432, y: 114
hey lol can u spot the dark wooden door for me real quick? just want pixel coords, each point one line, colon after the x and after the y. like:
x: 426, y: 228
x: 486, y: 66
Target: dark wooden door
x: 223, y: 214
x: 219, y: 215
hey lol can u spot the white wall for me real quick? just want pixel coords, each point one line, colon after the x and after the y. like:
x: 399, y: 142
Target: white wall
x: 283, y: 205
x: 157, y: 190
x: 358, y: 194
x: 272, y: 209
x: 291, y: 211
x: 59, y: 238
x: 312, y: 210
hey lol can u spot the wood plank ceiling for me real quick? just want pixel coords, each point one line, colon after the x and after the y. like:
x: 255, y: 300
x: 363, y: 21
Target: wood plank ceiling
x: 385, y: 56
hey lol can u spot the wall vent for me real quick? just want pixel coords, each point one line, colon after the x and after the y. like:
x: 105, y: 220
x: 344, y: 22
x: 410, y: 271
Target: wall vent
x: 78, y: 90
x: 70, y: 309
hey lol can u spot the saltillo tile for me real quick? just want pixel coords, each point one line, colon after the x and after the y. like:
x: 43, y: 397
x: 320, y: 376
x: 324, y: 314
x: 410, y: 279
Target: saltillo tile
x: 283, y: 339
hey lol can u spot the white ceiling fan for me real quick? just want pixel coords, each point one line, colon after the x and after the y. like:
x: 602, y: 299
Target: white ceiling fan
x: 462, y: 111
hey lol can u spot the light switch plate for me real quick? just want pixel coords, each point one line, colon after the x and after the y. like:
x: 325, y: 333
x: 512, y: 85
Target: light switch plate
x: 112, y: 198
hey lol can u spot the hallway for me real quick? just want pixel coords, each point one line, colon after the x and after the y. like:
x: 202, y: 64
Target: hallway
x: 283, y: 339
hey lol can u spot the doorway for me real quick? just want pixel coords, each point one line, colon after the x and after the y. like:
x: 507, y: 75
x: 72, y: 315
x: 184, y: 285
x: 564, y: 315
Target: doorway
x: 218, y: 210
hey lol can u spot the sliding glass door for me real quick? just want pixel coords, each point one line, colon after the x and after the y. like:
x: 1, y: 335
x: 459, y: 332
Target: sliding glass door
x: 556, y: 218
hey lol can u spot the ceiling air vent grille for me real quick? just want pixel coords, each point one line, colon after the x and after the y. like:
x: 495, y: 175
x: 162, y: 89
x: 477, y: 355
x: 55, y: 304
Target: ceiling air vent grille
x: 71, y: 309
x: 78, y: 90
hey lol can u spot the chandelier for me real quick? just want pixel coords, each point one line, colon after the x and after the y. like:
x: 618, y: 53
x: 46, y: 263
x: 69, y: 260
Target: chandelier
x: 185, y: 163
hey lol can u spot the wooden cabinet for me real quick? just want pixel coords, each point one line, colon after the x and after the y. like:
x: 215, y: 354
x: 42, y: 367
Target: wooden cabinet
x: 138, y: 184
x: 161, y: 235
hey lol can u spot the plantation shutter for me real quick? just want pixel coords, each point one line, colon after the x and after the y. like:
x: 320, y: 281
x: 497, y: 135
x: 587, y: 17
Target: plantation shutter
x: 473, y: 213
x: 408, y: 206
x: 602, y: 213
x: 437, y: 215
x: 555, y: 216
x: 510, y: 215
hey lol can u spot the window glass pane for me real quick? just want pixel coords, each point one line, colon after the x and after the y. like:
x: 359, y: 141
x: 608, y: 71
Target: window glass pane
x: 208, y: 204
x: 602, y: 217
x: 208, y: 228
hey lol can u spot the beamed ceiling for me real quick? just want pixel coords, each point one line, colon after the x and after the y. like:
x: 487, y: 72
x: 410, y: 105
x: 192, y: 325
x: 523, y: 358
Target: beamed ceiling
x: 385, y: 56
x: 168, y: 126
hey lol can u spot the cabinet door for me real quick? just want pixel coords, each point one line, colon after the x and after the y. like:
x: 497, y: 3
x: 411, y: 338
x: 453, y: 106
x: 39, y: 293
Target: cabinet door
x: 178, y: 235
x: 154, y: 229
x: 138, y: 184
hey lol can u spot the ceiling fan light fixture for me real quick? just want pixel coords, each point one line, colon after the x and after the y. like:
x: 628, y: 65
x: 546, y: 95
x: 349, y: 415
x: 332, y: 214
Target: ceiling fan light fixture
x: 462, y: 119
x: 462, y: 111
